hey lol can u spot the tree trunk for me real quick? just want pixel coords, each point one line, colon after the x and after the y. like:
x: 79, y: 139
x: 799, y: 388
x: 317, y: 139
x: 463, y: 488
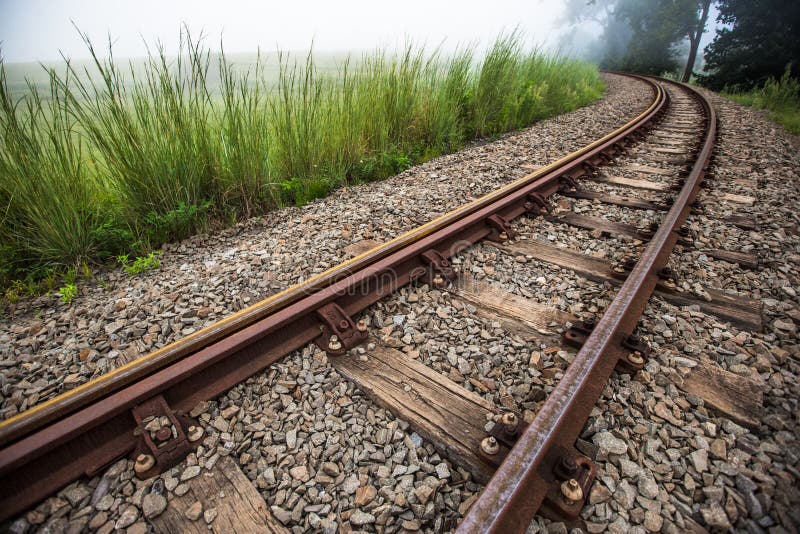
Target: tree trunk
x: 694, y: 40
x: 687, y: 71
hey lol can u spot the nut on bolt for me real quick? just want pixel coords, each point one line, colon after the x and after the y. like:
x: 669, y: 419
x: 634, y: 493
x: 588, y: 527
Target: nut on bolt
x: 438, y: 281
x: 511, y: 421
x: 361, y: 325
x: 334, y: 343
x: 164, y: 433
x: 571, y: 491
x: 490, y: 446
x: 144, y: 462
x: 636, y: 358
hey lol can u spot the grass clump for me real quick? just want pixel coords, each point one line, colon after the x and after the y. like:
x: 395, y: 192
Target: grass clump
x: 780, y: 97
x: 115, y: 159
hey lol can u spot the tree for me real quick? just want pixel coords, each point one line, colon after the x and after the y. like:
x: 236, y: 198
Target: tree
x: 654, y: 32
x: 641, y: 35
x: 695, y: 29
x: 758, y: 40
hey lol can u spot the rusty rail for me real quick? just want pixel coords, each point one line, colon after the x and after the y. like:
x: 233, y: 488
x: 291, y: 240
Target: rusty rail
x: 81, y: 431
x: 524, y: 479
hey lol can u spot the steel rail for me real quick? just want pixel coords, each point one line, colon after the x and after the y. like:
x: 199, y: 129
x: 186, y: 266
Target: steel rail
x: 82, y: 431
x: 518, y: 488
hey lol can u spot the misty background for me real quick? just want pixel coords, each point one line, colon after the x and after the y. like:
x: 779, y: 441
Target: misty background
x: 41, y: 31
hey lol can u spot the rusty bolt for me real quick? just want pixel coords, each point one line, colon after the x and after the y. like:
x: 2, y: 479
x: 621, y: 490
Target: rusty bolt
x: 566, y: 468
x: 144, y: 463
x: 636, y: 358
x: 571, y: 491
x: 334, y: 343
x: 510, y: 420
x: 194, y: 433
x: 489, y: 446
x: 164, y: 433
x: 503, y: 236
x: 438, y: 281
x: 361, y: 325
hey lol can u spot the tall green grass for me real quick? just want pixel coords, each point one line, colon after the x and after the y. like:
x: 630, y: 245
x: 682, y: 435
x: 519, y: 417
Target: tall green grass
x: 780, y: 97
x: 117, y: 159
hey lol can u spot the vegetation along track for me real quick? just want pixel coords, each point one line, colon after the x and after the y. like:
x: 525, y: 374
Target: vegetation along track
x: 146, y: 406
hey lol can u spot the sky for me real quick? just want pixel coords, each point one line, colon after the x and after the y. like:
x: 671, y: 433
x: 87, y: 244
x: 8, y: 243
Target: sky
x: 38, y: 30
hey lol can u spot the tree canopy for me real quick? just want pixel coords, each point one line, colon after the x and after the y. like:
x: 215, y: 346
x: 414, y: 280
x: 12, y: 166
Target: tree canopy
x: 755, y: 39
x: 759, y: 39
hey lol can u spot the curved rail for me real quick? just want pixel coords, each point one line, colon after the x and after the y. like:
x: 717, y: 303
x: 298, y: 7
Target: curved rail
x: 518, y: 488
x: 81, y: 431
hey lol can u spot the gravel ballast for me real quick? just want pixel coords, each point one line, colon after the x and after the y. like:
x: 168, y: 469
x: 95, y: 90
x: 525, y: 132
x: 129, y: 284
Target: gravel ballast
x: 326, y: 458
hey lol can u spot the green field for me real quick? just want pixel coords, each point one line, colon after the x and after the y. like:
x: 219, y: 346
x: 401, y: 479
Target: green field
x: 106, y: 158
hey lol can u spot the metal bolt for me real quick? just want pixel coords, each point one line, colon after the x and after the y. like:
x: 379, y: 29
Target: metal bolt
x: 503, y: 236
x: 490, y: 446
x: 334, y: 343
x: 438, y: 281
x: 636, y: 358
x: 361, y: 325
x: 510, y: 421
x: 164, y: 433
x: 194, y: 433
x: 566, y: 468
x: 144, y: 462
x: 571, y: 491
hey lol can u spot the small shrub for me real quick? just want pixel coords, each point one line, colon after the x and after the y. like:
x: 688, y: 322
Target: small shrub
x: 68, y: 293
x: 175, y: 224
x: 140, y: 264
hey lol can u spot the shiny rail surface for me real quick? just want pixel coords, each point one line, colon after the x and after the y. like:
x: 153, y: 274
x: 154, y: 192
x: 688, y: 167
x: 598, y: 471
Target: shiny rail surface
x: 81, y: 431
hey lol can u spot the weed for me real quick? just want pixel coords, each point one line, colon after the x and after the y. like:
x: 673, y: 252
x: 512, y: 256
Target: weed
x: 140, y: 264
x: 68, y: 293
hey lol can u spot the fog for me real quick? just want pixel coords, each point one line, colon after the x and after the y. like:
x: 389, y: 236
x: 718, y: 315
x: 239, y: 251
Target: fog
x: 39, y: 30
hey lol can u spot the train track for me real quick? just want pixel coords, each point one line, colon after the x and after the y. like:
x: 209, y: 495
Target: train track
x: 143, y: 409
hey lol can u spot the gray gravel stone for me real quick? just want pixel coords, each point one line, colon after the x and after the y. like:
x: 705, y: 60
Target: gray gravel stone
x: 359, y: 518
x: 609, y: 444
x: 153, y: 504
